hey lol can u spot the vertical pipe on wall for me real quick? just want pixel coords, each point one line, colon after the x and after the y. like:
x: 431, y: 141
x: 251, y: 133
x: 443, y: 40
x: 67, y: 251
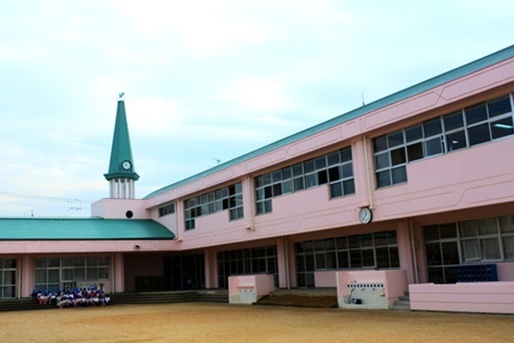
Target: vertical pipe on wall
x: 286, y: 252
x: 368, y: 175
x: 414, y: 257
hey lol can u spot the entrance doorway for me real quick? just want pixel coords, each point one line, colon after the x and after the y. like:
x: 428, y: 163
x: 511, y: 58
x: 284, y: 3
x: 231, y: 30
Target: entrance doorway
x: 184, y: 272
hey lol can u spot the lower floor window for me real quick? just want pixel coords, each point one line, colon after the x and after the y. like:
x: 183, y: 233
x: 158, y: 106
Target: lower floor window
x: 56, y: 274
x: 371, y: 250
x: 448, y: 246
x: 261, y: 260
x: 7, y: 278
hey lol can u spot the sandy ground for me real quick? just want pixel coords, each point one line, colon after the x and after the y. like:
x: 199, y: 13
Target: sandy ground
x: 199, y: 322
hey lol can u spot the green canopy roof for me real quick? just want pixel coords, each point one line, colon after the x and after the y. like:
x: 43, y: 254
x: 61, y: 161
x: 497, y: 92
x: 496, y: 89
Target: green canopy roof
x: 82, y: 229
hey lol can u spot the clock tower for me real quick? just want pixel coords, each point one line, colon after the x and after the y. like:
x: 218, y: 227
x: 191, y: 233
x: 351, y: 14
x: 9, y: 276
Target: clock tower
x: 122, y: 174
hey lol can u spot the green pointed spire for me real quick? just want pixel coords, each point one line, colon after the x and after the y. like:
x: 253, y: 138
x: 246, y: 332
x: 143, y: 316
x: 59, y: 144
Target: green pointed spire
x: 121, y: 164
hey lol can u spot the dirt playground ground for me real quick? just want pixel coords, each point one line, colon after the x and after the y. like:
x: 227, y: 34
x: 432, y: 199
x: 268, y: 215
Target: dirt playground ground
x: 198, y: 322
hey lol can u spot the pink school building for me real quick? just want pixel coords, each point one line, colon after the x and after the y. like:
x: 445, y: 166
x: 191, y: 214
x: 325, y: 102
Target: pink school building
x: 411, y: 193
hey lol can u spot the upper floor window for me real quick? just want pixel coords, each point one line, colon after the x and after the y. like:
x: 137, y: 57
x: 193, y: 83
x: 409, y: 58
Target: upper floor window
x: 226, y: 198
x: 334, y: 169
x: 461, y: 129
x: 167, y: 209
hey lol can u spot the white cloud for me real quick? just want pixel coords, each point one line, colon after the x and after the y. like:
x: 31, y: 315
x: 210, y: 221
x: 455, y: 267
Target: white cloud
x: 257, y: 95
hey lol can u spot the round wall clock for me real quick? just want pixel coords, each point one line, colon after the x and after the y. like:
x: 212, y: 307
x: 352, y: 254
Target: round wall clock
x: 365, y: 215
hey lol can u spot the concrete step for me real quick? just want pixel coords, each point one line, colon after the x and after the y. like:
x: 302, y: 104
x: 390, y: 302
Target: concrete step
x: 402, y: 304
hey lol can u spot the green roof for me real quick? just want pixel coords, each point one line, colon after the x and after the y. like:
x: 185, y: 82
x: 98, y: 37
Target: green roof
x: 82, y: 229
x: 424, y: 86
x: 121, y: 150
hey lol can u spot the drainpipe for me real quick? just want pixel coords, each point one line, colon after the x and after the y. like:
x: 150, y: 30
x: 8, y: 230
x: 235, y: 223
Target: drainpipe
x: 286, y: 252
x: 368, y: 174
x: 413, y: 243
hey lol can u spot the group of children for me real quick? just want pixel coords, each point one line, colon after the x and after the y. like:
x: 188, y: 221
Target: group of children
x: 77, y: 297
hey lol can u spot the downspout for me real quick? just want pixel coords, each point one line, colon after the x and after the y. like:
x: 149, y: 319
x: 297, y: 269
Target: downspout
x: 368, y: 174
x: 286, y: 252
x: 414, y: 258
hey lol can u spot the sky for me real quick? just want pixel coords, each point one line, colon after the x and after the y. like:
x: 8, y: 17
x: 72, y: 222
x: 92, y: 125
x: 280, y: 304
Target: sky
x: 204, y: 81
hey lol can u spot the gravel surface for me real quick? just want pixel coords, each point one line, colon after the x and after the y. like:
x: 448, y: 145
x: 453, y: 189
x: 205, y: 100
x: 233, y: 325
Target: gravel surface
x: 200, y: 322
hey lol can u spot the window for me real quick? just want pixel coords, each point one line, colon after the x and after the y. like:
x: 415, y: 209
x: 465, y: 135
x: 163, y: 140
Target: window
x: 247, y: 261
x: 474, y: 241
x: 166, y: 209
x: 7, y: 278
x: 54, y: 274
x: 462, y: 129
x: 334, y: 169
x: 227, y: 198
x: 370, y: 250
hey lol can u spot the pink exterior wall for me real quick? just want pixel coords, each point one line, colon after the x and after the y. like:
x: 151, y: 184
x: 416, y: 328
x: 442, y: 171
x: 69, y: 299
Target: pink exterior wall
x: 247, y: 289
x: 394, y: 281
x: 136, y: 265
x: 117, y: 208
x: 481, y: 297
x: 435, y: 185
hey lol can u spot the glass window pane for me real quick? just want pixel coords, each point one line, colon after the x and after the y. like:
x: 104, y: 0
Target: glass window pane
x: 475, y: 114
x: 508, y: 247
x: 394, y: 139
x: 487, y: 226
x: 450, y: 253
x: 368, y: 259
x: 431, y: 233
x: 320, y: 261
x: 40, y: 276
x: 380, y: 144
x: 308, y: 166
x: 398, y: 156
x: 8, y: 263
x: 455, y: 141
x: 498, y: 106
x: 453, y: 121
x: 414, y: 133
x: 320, y: 162
x: 383, y: 258
x: 435, y: 275
x: 471, y: 250
x: 348, y: 187
x: 67, y: 274
x: 336, y: 190
x: 333, y: 174
x: 346, y: 155
x: 415, y: 151
x: 355, y: 259
x: 490, y: 249
x: 383, y: 179
x: 433, y: 146
x: 347, y: 170
x: 478, y: 134
x: 507, y: 224
x: 53, y: 275
x: 433, y: 253
x: 331, y: 260
x: 432, y: 127
x: 9, y: 277
x: 333, y: 158
x: 448, y: 230
x: 502, y: 128
x: 399, y: 175
x: 382, y: 160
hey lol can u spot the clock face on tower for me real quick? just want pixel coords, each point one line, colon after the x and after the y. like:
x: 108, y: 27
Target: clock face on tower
x: 126, y: 165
